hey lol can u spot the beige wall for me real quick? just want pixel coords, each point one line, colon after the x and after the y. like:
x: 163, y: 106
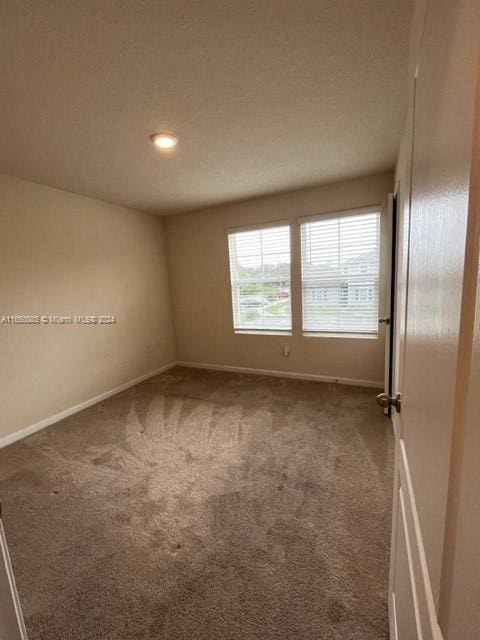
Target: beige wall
x: 65, y: 254
x: 201, y: 301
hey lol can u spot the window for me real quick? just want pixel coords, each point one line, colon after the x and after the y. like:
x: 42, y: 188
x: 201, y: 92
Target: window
x: 260, y: 278
x: 340, y: 272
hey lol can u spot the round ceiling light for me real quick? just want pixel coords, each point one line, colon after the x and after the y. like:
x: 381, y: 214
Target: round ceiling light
x: 164, y: 140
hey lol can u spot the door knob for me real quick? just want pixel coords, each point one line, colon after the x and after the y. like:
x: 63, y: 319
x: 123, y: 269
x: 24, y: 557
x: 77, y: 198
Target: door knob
x: 385, y: 401
x: 384, y: 321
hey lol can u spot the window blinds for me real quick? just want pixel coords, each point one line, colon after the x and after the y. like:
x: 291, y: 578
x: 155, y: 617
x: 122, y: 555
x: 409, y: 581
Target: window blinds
x: 340, y: 273
x: 260, y: 278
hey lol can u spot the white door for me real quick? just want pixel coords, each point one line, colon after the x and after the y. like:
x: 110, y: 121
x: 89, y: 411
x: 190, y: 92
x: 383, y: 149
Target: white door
x: 433, y: 176
x: 386, y: 319
x: 11, y: 619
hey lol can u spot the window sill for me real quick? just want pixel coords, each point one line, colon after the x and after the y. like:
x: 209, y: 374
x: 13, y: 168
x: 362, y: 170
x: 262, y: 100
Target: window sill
x: 348, y: 336
x: 261, y: 332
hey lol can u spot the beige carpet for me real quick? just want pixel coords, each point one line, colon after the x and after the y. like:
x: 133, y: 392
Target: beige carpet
x: 205, y: 506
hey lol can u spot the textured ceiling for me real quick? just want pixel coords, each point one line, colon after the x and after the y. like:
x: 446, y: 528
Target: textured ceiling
x: 264, y: 95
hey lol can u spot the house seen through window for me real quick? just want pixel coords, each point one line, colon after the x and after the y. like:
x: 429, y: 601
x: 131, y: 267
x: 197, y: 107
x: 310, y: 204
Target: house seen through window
x: 340, y: 272
x: 260, y: 278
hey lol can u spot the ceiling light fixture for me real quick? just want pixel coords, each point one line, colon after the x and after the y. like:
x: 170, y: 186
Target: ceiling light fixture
x: 164, y: 140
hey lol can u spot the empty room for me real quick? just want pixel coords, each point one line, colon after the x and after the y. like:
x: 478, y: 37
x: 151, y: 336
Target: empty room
x: 239, y: 320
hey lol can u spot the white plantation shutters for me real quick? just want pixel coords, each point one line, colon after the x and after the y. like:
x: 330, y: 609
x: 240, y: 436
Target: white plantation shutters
x: 340, y: 272
x: 260, y: 278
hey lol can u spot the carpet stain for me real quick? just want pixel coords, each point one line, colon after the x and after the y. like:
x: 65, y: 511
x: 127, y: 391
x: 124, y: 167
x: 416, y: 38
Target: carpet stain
x: 205, y: 505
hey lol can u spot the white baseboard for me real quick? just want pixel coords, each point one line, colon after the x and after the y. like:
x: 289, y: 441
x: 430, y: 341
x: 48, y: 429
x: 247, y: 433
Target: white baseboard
x: 37, y: 426
x: 284, y: 374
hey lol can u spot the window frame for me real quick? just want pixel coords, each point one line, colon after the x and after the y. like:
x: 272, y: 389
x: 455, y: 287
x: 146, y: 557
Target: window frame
x: 333, y: 215
x: 260, y: 227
